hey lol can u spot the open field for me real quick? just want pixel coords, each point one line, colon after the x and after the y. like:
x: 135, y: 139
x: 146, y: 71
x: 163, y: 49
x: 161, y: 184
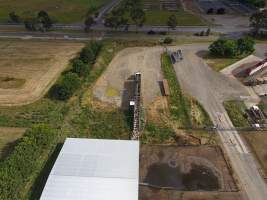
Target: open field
x: 184, y: 18
x: 38, y: 63
x: 8, y: 138
x: 185, y: 169
x: 158, y: 13
x: 258, y: 143
x: 63, y: 11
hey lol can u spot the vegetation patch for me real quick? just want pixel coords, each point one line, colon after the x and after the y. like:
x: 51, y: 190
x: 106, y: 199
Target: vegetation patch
x: 101, y: 124
x: 42, y: 111
x: 70, y: 82
x: 186, y: 111
x: 26, y: 161
x: 155, y: 134
x: 236, y: 112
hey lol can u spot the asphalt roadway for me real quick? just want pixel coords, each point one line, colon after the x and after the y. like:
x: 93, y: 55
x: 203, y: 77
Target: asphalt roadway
x: 211, y: 88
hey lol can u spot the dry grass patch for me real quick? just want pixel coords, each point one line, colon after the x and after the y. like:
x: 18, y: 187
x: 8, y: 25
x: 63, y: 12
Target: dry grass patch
x: 38, y: 63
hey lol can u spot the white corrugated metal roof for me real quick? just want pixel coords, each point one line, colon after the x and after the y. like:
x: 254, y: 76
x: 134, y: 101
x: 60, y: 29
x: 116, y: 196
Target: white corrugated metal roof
x: 91, y: 169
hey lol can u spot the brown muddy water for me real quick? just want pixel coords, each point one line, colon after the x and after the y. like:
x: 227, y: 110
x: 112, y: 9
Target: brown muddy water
x: 170, y: 175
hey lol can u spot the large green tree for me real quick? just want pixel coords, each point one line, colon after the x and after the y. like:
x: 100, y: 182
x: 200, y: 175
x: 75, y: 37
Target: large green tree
x: 258, y: 21
x: 224, y: 48
x: 172, y: 21
x: 138, y: 16
x: 245, y: 45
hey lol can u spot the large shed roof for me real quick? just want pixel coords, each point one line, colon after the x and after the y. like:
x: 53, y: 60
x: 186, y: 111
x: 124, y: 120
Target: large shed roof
x: 96, y: 170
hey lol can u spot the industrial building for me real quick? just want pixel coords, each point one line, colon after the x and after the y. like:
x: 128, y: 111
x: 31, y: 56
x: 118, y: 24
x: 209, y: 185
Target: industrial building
x: 92, y: 169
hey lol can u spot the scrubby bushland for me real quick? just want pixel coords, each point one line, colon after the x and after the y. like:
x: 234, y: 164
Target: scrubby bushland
x: 24, y: 162
x: 227, y: 48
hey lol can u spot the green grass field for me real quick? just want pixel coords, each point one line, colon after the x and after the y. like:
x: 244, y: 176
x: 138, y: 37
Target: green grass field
x: 63, y: 11
x: 157, y: 17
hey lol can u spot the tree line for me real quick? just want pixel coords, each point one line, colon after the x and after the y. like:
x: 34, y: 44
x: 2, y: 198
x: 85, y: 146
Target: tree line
x: 228, y: 48
x: 42, y: 22
x: 80, y: 69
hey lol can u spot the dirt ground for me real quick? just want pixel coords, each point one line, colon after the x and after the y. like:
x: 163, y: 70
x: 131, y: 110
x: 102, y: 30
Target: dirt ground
x: 170, y: 162
x: 113, y: 85
x: 258, y: 144
x: 38, y: 63
x: 155, y: 194
x: 8, y: 138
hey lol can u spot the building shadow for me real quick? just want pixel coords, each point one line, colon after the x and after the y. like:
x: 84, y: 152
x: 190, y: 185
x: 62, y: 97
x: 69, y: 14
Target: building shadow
x: 127, y: 93
x: 160, y: 83
x: 40, y: 182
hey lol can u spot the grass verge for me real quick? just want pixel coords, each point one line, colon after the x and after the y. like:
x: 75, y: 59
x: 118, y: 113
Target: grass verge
x: 235, y: 110
x: 185, y: 110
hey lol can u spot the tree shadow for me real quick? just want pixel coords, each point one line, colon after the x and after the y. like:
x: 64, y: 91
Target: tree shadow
x: 202, y: 53
x: 40, y: 182
x: 8, y: 149
x: 128, y: 92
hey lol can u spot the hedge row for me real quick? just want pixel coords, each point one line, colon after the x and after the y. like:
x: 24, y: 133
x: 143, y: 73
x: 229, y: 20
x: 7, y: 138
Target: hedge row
x: 81, y: 66
x: 19, y: 168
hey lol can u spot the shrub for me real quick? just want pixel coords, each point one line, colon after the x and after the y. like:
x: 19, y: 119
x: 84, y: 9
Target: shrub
x: 224, y: 48
x: 80, y: 68
x: 17, y: 169
x: 96, y: 47
x: 221, y: 11
x: 246, y: 45
x: 65, y: 89
x: 231, y: 48
x: 87, y: 55
x: 168, y: 40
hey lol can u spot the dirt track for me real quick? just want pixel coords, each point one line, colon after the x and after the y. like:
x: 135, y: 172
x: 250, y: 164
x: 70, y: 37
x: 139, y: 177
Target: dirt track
x: 39, y: 63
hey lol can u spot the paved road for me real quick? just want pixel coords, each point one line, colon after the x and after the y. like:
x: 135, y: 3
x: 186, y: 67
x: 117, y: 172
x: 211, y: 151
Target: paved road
x: 211, y: 89
x: 227, y: 29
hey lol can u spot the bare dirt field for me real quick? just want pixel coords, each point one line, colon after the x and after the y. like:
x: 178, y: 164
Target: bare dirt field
x: 29, y: 68
x: 181, y: 172
x: 258, y: 144
x: 113, y: 85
